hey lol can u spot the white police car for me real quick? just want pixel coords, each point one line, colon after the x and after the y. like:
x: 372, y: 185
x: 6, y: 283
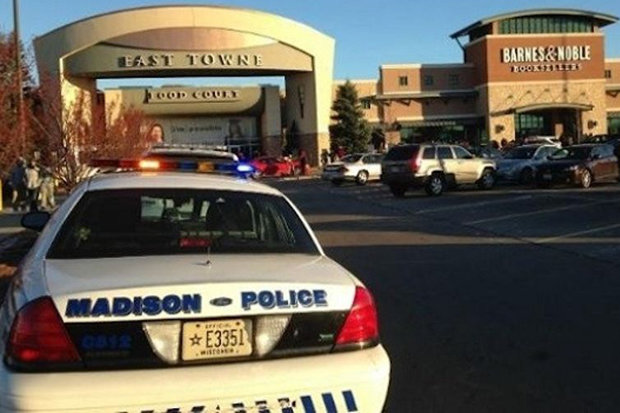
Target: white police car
x: 180, y: 292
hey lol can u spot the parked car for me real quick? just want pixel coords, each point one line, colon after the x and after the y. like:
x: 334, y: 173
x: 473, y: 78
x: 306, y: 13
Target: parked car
x: 190, y: 153
x: 434, y: 167
x: 551, y: 140
x: 487, y: 151
x: 272, y: 166
x: 360, y: 168
x: 579, y: 165
x: 520, y: 163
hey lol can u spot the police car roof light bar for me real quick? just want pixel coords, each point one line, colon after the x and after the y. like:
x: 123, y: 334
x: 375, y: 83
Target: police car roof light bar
x: 148, y: 164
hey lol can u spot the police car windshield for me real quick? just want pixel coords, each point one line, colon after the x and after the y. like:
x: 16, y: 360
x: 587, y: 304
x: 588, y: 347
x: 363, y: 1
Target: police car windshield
x: 140, y: 222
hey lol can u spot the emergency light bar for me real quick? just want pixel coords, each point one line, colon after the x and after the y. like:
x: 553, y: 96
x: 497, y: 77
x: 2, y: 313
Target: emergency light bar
x: 148, y: 164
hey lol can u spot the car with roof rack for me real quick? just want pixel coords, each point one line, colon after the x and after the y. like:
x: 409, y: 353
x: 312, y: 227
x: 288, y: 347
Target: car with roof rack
x: 173, y: 290
x: 434, y: 167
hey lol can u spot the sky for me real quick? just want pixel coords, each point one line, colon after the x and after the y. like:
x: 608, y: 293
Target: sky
x: 368, y: 33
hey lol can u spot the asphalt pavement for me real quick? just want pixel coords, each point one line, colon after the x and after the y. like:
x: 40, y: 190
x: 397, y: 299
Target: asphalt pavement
x: 498, y: 301
x: 489, y: 301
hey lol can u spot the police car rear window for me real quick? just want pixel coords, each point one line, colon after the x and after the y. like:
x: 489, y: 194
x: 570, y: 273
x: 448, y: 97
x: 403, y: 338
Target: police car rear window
x: 139, y: 222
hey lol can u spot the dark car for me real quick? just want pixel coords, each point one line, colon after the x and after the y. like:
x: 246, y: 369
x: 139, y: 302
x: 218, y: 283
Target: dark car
x: 579, y: 165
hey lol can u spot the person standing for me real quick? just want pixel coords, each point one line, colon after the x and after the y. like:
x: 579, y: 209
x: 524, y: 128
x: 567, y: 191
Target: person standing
x: 47, y: 189
x: 33, y: 183
x: 303, y: 162
x: 18, y: 183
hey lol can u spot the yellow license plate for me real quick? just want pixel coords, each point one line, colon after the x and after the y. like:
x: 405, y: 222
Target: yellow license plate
x: 217, y: 339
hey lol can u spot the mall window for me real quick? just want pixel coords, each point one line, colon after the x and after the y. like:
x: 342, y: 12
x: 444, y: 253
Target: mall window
x: 429, y: 80
x: 613, y: 124
x: 528, y: 124
x: 546, y: 24
x: 453, y: 80
x: 607, y: 74
x: 403, y: 81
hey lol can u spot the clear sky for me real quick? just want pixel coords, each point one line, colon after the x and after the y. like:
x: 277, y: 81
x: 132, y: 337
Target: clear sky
x: 368, y: 33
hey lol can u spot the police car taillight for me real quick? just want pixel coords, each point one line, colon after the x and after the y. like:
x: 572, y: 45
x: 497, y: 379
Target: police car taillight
x: 361, y: 328
x: 38, y: 335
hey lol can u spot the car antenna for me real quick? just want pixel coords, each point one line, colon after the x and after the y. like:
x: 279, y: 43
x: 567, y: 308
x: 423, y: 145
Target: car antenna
x: 208, y: 263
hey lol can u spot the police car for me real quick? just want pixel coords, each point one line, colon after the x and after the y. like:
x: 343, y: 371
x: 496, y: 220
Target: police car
x: 167, y: 291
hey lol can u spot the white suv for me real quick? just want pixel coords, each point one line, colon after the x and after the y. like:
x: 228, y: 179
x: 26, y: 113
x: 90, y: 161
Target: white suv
x: 433, y: 167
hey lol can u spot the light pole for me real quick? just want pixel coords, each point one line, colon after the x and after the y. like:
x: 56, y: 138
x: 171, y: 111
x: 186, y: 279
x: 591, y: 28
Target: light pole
x: 18, y: 68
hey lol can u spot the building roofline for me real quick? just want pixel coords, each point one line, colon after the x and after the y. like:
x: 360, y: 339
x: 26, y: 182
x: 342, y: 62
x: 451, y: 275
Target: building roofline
x: 425, y: 65
x: 175, y: 6
x: 354, y: 81
x: 603, y: 18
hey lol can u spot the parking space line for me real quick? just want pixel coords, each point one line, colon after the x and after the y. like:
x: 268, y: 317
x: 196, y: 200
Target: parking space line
x: 574, y: 234
x: 527, y: 214
x: 474, y: 204
x: 543, y: 211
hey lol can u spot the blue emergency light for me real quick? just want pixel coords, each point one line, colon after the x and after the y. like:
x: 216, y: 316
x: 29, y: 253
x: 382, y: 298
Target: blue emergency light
x: 241, y: 170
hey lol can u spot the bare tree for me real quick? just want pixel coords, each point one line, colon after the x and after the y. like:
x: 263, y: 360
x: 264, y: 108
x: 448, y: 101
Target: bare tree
x: 73, y: 133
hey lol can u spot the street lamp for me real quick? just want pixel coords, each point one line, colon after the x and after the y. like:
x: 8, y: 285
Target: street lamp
x: 18, y: 68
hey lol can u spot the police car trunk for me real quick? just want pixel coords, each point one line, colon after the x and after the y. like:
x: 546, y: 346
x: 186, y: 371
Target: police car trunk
x: 152, y: 303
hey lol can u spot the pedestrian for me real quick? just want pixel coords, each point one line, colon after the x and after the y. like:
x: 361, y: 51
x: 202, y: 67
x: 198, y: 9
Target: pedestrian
x: 18, y: 183
x: 303, y: 162
x: 46, y: 193
x: 503, y: 144
x: 617, y: 153
x: 324, y: 157
x: 340, y: 152
x: 33, y: 183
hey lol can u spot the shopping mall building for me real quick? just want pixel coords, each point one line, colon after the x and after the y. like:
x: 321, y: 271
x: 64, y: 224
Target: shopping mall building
x: 533, y: 72
x: 530, y: 72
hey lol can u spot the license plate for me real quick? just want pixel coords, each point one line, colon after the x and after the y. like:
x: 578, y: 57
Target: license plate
x: 547, y: 177
x: 395, y: 169
x: 217, y: 339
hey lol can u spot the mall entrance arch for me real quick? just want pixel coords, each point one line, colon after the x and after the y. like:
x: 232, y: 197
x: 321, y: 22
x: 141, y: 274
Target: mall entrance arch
x: 558, y: 120
x: 210, y: 41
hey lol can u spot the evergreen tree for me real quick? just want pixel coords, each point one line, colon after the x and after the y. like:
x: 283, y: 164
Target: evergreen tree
x: 350, y: 129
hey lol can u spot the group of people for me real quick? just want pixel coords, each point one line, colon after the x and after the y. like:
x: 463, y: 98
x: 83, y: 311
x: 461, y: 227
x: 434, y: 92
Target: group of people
x: 32, y: 186
x: 334, y: 156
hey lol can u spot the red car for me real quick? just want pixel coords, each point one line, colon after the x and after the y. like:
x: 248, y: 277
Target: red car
x: 272, y: 166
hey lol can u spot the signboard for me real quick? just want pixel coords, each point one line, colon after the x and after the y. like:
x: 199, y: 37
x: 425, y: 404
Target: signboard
x: 546, y: 58
x: 192, y: 95
x: 190, y: 60
x: 218, y: 131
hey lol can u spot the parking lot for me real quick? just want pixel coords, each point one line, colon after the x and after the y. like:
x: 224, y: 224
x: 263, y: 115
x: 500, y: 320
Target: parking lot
x: 502, y: 300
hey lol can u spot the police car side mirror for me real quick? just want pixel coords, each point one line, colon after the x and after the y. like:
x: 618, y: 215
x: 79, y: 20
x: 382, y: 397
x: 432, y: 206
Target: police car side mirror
x: 35, y: 220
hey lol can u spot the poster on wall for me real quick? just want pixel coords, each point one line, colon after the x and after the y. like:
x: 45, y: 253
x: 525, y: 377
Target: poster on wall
x: 220, y: 131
